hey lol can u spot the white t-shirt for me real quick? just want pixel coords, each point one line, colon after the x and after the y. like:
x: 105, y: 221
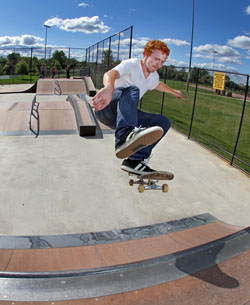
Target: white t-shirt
x: 131, y: 74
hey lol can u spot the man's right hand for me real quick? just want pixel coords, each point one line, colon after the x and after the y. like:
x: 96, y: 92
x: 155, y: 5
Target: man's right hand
x: 102, y: 98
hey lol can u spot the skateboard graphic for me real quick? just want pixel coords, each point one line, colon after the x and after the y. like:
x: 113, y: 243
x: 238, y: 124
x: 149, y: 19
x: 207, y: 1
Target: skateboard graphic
x: 149, y: 181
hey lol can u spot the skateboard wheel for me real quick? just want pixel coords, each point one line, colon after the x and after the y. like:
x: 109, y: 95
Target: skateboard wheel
x: 141, y: 188
x: 131, y: 182
x: 165, y: 188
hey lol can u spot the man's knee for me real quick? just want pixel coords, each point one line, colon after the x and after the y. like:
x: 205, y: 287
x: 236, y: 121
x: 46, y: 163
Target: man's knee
x: 165, y: 123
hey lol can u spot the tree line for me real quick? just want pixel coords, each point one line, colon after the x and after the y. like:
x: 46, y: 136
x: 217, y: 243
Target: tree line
x: 14, y: 63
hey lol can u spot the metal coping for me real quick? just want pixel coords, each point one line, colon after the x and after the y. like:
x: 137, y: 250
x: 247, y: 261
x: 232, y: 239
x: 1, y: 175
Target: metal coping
x: 90, y: 283
x: 105, y: 237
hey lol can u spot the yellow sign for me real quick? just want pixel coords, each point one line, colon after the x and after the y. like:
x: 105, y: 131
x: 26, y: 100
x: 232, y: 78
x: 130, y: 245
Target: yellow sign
x: 219, y: 80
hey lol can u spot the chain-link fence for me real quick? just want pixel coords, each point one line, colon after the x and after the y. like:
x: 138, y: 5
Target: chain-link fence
x: 28, y: 64
x: 218, y: 119
x: 107, y: 53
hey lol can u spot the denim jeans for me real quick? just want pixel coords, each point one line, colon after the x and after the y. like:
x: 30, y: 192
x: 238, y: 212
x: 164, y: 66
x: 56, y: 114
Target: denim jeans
x: 122, y: 114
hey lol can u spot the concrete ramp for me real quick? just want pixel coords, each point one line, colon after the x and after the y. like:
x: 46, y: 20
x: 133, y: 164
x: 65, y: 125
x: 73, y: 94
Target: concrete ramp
x: 56, y: 117
x: 14, y: 117
x: 196, y: 260
x: 18, y: 88
x: 61, y: 86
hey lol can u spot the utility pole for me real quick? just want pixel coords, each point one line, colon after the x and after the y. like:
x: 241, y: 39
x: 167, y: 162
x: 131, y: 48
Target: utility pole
x: 191, y: 46
x: 46, y: 27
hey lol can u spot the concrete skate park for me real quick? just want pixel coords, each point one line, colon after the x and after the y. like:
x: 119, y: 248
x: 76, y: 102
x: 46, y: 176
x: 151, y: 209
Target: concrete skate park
x: 73, y: 231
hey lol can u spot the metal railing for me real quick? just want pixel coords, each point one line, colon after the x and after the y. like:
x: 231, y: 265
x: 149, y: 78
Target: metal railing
x: 34, y: 113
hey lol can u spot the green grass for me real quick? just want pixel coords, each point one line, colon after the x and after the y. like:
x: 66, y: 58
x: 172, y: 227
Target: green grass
x: 216, y: 119
x: 25, y: 79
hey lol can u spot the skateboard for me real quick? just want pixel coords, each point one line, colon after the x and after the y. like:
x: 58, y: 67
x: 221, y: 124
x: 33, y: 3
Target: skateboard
x: 149, y: 181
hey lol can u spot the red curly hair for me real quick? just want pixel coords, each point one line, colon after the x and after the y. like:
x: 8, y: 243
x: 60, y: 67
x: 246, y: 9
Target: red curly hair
x: 156, y: 44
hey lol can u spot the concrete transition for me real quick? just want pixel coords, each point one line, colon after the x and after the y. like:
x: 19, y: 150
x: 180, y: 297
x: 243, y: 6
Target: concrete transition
x: 72, y: 233
x: 198, y: 260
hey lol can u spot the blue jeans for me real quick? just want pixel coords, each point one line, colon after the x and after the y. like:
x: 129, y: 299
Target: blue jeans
x: 122, y: 114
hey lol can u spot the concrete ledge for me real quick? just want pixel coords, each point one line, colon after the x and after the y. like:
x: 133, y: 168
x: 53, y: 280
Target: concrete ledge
x: 84, y: 117
x: 91, y: 90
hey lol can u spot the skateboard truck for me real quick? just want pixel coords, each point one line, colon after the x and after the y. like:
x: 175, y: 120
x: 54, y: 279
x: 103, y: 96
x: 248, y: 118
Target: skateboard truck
x: 149, y: 181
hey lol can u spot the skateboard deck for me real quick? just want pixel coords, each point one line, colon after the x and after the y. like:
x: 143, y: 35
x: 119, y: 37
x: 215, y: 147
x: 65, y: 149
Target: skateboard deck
x: 149, y: 181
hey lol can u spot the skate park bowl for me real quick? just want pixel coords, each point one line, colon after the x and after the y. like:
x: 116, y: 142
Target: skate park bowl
x: 74, y: 232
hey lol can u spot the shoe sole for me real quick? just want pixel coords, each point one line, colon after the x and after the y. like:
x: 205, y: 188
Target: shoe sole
x: 139, y: 143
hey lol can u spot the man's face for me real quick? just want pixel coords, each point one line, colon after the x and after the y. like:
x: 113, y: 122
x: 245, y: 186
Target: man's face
x: 155, y: 61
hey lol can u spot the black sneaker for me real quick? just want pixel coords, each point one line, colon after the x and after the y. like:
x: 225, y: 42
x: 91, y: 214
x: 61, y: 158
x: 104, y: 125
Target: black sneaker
x: 137, y: 139
x: 137, y: 167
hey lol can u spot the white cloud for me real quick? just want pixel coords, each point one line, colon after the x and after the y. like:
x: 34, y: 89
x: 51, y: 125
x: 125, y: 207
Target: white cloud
x: 87, y: 25
x: 139, y: 44
x: 83, y: 4
x: 215, y: 66
x: 23, y: 41
x: 177, y: 42
x: 176, y: 63
x: 248, y: 10
x: 223, y: 54
x: 241, y: 42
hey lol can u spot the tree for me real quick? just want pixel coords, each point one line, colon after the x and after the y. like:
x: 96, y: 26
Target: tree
x: 22, y: 67
x: 8, y: 68
x: 108, y: 58
x: 57, y: 65
x: 13, y: 58
x: 3, y: 61
x: 182, y: 75
x: 61, y: 58
x: 35, y: 64
x: 171, y: 72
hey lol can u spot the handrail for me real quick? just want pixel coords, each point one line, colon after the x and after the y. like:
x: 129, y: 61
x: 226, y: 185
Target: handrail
x: 57, y: 87
x: 34, y: 113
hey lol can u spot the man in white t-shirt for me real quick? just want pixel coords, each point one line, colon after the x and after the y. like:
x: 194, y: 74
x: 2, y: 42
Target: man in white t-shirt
x: 116, y: 105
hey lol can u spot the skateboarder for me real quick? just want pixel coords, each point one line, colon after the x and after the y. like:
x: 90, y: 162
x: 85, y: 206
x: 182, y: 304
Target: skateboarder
x: 116, y: 105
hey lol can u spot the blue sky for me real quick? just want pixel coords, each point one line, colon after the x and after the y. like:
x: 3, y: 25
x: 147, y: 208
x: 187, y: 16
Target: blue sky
x: 222, y: 26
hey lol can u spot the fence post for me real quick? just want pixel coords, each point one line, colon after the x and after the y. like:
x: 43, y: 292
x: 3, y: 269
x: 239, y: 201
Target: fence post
x: 241, y: 121
x: 194, y: 104
x: 31, y: 54
x: 131, y: 41
x: 109, y: 52
x: 69, y: 56
x: 118, y: 51
x: 97, y: 54
x: 163, y: 94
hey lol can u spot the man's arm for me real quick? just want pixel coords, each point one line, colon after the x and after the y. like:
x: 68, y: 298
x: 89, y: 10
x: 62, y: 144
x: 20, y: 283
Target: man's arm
x: 164, y: 88
x: 103, y: 97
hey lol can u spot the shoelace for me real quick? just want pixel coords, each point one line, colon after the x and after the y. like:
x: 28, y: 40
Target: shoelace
x: 135, y: 131
x: 146, y: 161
